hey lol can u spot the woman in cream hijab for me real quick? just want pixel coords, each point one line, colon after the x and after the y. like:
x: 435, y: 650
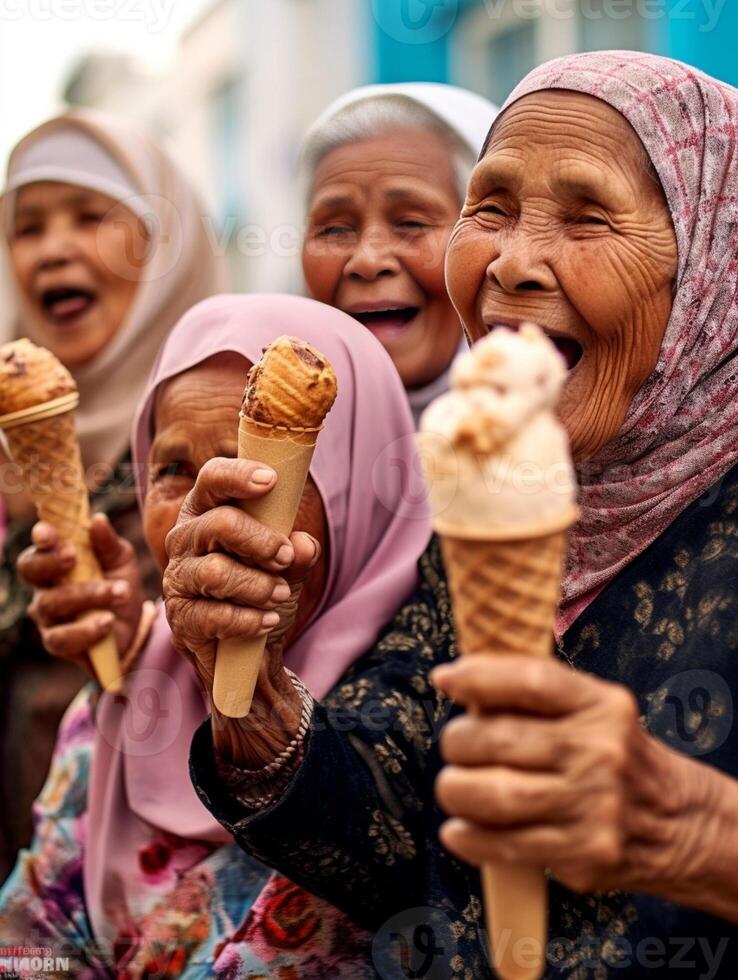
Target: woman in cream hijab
x: 106, y: 249
x: 384, y: 172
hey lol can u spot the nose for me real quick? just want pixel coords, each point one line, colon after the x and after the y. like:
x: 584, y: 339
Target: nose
x: 373, y: 257
x: 522, y: 265
x: 57, y: 246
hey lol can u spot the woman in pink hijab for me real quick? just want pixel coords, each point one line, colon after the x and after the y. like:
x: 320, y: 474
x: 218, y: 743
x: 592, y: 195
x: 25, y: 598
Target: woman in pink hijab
x: 604, y: 207
x: 128, y: 871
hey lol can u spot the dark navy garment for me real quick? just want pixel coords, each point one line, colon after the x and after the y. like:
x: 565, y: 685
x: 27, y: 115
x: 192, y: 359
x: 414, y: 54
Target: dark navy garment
x: 358, y: 824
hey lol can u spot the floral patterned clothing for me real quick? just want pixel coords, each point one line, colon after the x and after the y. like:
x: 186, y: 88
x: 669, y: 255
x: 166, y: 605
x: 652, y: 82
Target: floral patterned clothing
x: 667, y: 627
x: 201, y: 910
x: 36, y: 689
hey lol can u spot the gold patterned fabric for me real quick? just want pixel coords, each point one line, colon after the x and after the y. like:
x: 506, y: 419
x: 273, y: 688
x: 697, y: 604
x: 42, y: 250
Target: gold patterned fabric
x: 358, y: 824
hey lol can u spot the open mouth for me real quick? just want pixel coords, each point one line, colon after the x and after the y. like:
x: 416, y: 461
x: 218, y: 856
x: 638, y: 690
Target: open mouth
x: 571, y: 350
x: 389, y: 319
x: 65, y: 305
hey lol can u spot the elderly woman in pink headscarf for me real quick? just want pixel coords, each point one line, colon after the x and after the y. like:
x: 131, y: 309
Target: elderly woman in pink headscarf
x: 604, y: 208
x: 128, y: 872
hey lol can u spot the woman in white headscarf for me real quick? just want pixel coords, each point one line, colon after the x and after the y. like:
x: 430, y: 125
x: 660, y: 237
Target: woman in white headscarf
x: 384, y: 172
x: 106, y: 248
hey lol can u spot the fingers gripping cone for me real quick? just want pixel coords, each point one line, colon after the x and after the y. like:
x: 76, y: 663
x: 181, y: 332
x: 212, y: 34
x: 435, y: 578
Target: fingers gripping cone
x: 502, y: 486
x: 37, y: 401
x: 288, y: 395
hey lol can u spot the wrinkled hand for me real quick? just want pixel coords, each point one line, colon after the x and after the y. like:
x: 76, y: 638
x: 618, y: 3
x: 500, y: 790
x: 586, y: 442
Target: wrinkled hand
x: 231, y: 577
x: 57, y: 606
x: 556, y: 771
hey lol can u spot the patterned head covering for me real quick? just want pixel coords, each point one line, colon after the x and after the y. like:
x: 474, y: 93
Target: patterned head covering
x: 680, y: 435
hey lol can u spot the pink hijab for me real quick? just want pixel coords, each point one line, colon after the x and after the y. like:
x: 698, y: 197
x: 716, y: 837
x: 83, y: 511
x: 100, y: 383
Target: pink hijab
x: 681, y: 432
x: 369, y: 479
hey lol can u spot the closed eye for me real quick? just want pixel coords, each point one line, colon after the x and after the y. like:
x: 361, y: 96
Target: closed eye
x: 492, y: 209
x: 175, y: 469
x: 331, y: 230
x: 592, y: 219
x: 26, y: 231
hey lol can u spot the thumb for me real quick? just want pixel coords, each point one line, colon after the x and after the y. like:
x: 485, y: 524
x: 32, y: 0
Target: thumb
x: 112, y: 552
x: 307, y: 553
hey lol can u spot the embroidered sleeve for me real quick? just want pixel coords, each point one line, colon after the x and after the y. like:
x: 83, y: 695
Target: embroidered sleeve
x: 353, y: 822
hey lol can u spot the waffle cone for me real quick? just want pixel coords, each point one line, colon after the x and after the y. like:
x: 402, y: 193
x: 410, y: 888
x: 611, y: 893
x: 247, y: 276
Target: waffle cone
x: 505, y: 593
x: 48, y: 454
x: 504, y: 596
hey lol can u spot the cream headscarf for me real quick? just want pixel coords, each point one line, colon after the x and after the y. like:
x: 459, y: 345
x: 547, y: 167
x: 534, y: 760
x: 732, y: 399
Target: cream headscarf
x: 103, y: 153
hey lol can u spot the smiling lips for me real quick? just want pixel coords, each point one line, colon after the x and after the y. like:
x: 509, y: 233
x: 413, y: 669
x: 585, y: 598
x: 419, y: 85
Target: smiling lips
x: 65, y: 305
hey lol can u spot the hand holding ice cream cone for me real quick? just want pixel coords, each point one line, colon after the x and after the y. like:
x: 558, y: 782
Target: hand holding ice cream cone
x: 503, y: 492
x: 287, y: 397
x: 37, y: 401
x: 72, y: 617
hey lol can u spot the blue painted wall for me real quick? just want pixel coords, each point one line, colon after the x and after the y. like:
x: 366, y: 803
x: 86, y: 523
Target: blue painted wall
x: 704, y: 33
x: 410, y: 38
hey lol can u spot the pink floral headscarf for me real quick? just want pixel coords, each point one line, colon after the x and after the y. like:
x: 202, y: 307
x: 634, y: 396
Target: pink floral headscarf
x: 681, y: 433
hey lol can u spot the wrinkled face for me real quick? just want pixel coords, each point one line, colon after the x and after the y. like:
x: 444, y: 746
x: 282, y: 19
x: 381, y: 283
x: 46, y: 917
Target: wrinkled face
x: 563, y: 225
x: 77, y: 257
x: 380, y: 215
x: 197, y: 419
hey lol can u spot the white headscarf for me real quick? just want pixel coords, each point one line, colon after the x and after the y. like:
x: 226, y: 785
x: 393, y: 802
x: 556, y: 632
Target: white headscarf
x: 468, y: 115
x: 105, y: 154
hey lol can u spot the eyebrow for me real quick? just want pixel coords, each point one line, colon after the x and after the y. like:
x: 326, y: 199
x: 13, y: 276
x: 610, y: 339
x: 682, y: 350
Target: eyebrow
x: 495, y: 174
x: 583, y: 184
x: 425, y: 197
x: 577, y: 183
x: 170, y: 451
x: 72, y: 199
x: 164, y: 450
x: 334, y: 201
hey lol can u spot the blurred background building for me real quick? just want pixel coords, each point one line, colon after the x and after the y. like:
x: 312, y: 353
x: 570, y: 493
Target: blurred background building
x: 247, y: 76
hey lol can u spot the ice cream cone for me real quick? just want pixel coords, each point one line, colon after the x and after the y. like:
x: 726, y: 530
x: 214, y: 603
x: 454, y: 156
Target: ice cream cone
x: 292, y: 383
x: 502, y: 485
x: 42, y: 441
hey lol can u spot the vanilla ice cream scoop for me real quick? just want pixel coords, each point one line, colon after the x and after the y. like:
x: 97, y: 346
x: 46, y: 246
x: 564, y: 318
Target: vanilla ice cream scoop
x: 497, y: 459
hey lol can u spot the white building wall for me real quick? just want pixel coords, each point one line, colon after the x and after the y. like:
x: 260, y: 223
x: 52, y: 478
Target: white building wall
x: 288, y: 59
